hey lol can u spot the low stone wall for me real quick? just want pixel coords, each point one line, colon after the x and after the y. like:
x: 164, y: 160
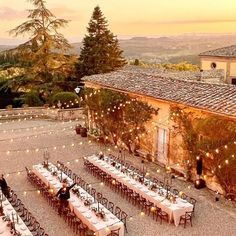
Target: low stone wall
x: 42, y: 112
x: 70, y: 114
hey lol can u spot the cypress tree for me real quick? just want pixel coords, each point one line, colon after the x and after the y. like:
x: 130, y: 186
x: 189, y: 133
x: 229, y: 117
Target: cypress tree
x: 100, y: 52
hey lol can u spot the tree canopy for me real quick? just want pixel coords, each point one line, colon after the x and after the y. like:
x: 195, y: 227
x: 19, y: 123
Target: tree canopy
x: 100, y: 52
x: 115, y: 115
x: 44, y: 54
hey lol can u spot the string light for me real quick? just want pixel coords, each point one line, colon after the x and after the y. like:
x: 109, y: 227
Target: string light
x: 81, y: 99
x: 72, y: 145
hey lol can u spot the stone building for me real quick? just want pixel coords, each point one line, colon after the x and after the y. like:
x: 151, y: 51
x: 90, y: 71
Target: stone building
x: 203, y: 99
x: 221, y: 58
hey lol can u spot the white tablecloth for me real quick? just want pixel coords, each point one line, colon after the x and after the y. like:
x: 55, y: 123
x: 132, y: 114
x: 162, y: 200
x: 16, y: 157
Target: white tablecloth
x: 20, y: 226
x: 88, y: 217
x: 174, y: 210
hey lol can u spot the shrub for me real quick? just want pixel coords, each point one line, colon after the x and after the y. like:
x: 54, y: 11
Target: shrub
x: 66, y: 99
x: 9, y: 107
x: 17, y: 102
x: 31, y: 99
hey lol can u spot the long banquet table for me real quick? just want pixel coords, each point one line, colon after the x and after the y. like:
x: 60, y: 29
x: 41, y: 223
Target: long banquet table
x: 99, y: 226
x: 174, y: 210
x: 19, y: 224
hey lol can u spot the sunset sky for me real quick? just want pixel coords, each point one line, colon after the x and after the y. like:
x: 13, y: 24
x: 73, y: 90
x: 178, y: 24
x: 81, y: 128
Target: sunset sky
x: 130, y: 17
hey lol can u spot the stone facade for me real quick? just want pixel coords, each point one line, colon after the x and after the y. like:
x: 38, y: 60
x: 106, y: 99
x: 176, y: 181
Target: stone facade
x: 163, y: 141
x: 221, y: 58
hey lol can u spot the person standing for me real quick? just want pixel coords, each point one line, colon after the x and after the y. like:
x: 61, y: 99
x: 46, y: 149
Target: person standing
x: 64, y: 194
x: 4, y: 186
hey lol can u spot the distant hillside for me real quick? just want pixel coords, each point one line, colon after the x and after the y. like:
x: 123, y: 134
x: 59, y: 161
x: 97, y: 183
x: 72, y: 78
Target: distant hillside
x: 167, y: 49
x: 171, y: 49
x: 5, y: 47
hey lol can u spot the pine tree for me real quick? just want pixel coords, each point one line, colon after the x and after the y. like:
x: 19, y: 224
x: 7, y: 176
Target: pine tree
x: 100, y: 52
x: 43, y: 55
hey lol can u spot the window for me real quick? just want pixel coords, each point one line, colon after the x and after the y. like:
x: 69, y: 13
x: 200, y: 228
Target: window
x: 213, y: 65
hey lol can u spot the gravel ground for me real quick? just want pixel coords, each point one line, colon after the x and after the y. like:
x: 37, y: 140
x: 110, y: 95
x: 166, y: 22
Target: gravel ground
x: 211, y: 218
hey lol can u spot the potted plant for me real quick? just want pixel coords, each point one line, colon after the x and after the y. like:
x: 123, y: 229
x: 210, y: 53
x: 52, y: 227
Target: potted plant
x: 83, y: 132
x: 77, y: 129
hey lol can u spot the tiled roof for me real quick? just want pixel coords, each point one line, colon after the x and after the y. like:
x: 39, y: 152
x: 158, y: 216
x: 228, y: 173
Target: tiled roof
x: 188, y: 75
x: 217, y: 98
x: 229, y: 51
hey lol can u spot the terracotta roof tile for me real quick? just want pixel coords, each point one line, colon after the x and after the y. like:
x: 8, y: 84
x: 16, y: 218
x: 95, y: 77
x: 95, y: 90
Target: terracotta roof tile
x: 219, y: 98
x: 229, y: 51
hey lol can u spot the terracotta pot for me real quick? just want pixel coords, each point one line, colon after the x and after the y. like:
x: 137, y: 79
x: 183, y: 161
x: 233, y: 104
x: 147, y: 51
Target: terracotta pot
x: 77, y: 129
x: 83, y: 132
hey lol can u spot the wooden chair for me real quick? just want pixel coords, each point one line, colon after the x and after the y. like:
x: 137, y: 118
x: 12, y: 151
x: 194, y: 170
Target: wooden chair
x: 184, y: 196
x: 123, y: 218
x: 93, y: 192
x: 114, y: 232
x: 193, y: 201
x: 110, y: 206
x: 162, y: 215
x: 184, y: 219
x: 175, y: 191
x: 99, y: 197
x: 104, y: 202
x: 117, y: 212
x: 148, y: 207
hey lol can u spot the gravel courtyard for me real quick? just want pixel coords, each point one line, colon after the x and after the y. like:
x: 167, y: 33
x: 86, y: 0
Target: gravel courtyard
x: 22, y: 147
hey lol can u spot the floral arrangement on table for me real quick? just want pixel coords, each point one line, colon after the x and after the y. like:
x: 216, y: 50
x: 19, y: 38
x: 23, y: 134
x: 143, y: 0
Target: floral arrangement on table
x: 113, y: 164
x: 153, y: 187
x: 140, y: 180
x: 88, y: 202
x: 11, y: 224
x: 101, y: 214
x: 54, y: 173
x: 6, y: 218
x: 101, y: 156
x: 75, y: 190
x: 45, y: 165
x: 124, y: 170
x: 94, y: 209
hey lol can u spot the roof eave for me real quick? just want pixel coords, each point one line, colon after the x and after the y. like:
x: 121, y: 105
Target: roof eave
x: 160, y: 99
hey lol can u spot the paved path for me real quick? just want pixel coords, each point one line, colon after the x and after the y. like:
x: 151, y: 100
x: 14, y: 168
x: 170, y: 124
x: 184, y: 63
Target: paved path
x: 211, y: 218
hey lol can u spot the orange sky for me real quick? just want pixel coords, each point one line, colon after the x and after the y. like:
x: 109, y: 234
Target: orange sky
x: 131, y: 17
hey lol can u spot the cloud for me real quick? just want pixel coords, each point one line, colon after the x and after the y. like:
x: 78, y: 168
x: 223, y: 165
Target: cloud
x: 7, y: 13
x: 182, y: 22
x: 200, y: 21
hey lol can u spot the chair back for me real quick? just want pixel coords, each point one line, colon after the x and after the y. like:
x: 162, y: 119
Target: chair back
x: 115, y: 232
x: 99, y: 197
x: 117, y: 212
x: 110, y: 206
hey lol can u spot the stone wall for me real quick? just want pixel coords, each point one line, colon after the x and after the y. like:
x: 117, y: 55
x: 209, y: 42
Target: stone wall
x: 42, y: 112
